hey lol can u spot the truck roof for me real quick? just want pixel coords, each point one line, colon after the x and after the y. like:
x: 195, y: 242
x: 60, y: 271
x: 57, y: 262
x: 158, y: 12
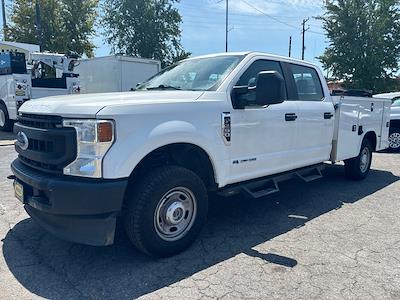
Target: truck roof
x: 257, y: 53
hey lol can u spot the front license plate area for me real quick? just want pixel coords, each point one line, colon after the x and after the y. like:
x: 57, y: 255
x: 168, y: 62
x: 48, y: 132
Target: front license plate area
x: 19, y: 191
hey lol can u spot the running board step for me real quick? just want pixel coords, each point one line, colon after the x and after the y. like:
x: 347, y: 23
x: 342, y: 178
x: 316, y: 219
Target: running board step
x: 269, y: 185
x: 261, y: 188
x: 310, y: 175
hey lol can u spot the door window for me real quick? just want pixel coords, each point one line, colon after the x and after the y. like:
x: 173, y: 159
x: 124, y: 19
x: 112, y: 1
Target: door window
x: 307, y: 82
x: 249, y: 78
x: 396, y: 102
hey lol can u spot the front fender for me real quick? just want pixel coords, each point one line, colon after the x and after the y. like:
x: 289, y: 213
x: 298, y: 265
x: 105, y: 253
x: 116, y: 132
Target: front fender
x: 130, y: 147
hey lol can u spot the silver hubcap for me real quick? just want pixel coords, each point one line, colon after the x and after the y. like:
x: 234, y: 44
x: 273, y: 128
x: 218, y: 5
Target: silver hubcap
x: 175, y: 214
x: 364, y: 162
x: 394, y: 140
x: 2, y: 118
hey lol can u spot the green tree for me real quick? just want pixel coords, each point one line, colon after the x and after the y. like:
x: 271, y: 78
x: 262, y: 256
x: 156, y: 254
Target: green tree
x: 78, y: 18
x: 65, y: 25
x: 144, y: 28
x: 364, y: 42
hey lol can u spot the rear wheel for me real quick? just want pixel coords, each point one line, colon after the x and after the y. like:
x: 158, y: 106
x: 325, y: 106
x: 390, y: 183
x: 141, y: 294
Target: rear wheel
x: 5, y: 122
x: 165, y: 211
x: 357, y: 168
x: 394, y: 139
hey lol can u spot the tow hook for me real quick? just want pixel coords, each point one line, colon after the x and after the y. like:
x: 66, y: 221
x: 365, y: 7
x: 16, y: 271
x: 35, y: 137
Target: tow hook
x: 11, y: 177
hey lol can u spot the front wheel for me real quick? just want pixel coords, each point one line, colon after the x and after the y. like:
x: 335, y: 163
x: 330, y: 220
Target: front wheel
x: 394, y: 140
x: 5, y: 122
x: 357, y: 168
x: 166, y: 211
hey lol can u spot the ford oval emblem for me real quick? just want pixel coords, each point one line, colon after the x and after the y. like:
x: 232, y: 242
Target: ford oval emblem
x: 22, y: 140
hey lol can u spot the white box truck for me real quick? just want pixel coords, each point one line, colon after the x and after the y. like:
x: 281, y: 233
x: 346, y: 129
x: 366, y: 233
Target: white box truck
x: 114, y: 73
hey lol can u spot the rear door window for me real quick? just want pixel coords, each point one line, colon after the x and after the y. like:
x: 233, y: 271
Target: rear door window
x: 307, y: 83
x: 396, y: 102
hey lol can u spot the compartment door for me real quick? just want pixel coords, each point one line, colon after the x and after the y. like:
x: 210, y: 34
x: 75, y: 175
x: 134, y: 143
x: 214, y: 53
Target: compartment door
x: 346, y: 141
x: 384, y: 140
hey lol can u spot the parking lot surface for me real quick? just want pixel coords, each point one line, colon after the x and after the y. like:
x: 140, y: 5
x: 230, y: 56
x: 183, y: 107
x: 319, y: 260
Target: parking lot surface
x: 329, y: 239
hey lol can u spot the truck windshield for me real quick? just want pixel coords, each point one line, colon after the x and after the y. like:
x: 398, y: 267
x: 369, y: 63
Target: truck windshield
x: 198, y: 74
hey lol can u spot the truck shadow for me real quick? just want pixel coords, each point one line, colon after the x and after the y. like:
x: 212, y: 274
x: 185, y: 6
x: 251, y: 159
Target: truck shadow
x: 51, y: 268
x: 7, y: 137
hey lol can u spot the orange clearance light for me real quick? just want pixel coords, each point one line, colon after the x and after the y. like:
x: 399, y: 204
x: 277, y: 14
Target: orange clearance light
x: 104, y: 132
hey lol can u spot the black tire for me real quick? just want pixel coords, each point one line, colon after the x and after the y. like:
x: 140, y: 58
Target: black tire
x: 394, y: 139
x: 143, y: 202
x: 356, y: 168
x: 6, y: 124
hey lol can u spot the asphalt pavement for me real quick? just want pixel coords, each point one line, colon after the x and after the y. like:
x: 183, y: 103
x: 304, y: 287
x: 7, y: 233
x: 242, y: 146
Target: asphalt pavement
x: 328, y: 239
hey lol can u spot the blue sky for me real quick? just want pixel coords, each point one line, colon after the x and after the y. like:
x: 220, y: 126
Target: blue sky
x: 259, y: 25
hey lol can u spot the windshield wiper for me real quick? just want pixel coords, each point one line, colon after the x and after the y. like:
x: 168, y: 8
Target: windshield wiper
x: 163, y: 87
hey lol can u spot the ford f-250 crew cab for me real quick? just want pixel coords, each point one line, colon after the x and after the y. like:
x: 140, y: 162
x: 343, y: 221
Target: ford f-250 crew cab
x: 228, y: 123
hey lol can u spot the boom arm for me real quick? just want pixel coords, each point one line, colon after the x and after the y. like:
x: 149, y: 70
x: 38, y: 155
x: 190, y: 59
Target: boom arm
x: 63, y: 62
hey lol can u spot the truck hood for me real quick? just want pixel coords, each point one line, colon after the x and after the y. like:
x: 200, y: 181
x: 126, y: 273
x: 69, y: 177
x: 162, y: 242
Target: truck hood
x: 88, y: 105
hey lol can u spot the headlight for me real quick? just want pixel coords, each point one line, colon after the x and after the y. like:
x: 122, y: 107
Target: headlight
x: 94, y: 138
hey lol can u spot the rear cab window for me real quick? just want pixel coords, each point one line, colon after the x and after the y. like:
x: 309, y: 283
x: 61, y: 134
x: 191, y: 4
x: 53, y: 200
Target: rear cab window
x: 307, y: 83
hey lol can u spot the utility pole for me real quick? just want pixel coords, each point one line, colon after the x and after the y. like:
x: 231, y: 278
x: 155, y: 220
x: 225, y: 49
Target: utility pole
x: 226, y: 26
x: 303, y: 32
x: 290, y: 46
x: 39, y: 25
x: 3, y: 8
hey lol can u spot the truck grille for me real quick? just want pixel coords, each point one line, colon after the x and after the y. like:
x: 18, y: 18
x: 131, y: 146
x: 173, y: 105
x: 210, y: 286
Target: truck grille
x: 50, y: 146
x: 40, y: 146
x: 39, y: 121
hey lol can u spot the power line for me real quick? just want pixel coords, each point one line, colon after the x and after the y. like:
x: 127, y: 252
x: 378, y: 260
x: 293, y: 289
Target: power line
x: 196, y: 13
x: 316, y: 32
x: 226, y: 25
x: 268, y: 15
x: 275, y: 18
x: 298, y: 4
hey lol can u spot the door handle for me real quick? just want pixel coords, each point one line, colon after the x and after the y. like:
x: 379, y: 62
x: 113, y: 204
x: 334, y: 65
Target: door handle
x: 328, y: 115
x: 290, y: 117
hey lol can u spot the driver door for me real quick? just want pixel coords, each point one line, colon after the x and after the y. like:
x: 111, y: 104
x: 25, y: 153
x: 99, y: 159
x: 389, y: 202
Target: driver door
x: 263, y: 140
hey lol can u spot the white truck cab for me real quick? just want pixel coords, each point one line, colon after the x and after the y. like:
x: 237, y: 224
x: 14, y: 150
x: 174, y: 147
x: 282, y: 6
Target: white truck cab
x: 54, y: 74
x: 394, y: 136
x: 15, y: 87
x: 230, y: 123
x: 36, y: 75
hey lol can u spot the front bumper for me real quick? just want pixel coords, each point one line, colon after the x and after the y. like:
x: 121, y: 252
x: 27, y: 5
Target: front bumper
x: 76, y: 209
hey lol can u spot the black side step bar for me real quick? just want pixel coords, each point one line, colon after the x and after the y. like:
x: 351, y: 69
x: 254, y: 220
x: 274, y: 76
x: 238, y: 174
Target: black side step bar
x: 310, y: 175
x: 269, y: 185
x: 261, y: 188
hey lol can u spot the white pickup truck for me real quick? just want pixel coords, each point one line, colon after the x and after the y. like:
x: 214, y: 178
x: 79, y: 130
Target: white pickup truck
x: 394, y: 132
x: 228, y: 123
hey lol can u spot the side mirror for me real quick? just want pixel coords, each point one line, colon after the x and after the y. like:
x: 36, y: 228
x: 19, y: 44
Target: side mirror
x: 270, y: 88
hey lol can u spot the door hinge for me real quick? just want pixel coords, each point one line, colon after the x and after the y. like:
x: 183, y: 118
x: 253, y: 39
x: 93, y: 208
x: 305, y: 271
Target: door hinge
x: 226, y: 128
